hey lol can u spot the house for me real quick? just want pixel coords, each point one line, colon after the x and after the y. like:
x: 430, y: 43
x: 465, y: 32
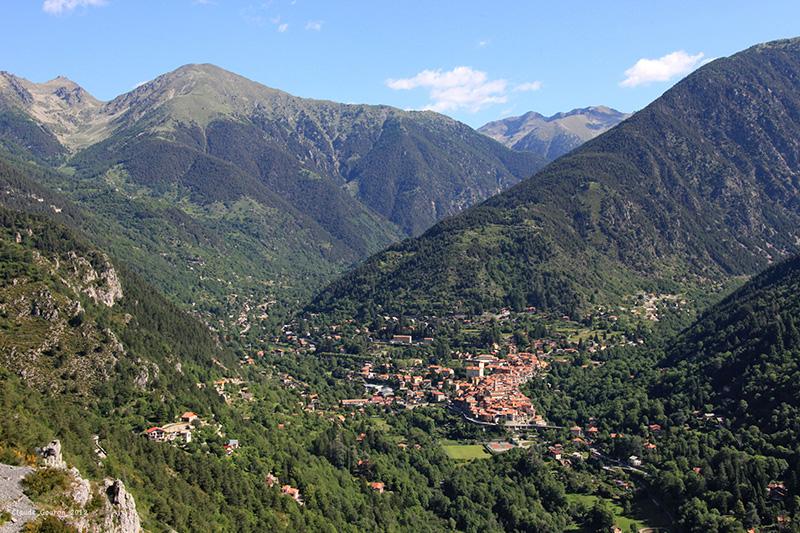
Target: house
x: 354, y: 402
x: 288, y: 490
x: 634, y: 461
x: 402, y: 339
x: 576, y: 431
x: 555, y: 452
x: 438, y: 396
x: 177, y: 431
x: 230, y: 446
x: 776, y: 491
x: 655, y: 428
x: 377, y: 486
x: 474, y: 371
x: 189, y: 417
x: 155, y: 433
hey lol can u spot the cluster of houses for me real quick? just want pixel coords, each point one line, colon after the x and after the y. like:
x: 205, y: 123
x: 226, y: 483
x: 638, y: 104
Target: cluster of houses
x: 411, y: 388
x: 496, y: 397
x: 180, y: 431
x: 489, y: 392
x: 232, y: 388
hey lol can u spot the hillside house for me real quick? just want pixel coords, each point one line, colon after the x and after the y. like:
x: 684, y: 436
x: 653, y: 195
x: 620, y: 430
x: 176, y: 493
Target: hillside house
x: 189, y: 417
x: 294, y: 493
x: 155, y: 433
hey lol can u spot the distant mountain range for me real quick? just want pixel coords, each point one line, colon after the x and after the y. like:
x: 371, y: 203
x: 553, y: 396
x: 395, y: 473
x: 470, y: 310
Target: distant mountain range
x: 207, y: 180
x: 553, y: 136
x: 430, y: 165
x: 699, y: 186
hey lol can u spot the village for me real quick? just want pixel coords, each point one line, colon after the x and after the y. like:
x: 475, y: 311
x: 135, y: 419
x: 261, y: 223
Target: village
x: 402, y: 367
x: 488, y: 392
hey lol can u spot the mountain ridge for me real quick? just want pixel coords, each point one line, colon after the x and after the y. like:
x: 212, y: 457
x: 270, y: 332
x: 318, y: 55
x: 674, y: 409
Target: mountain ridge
x: 555, y: 135
x: 667, y: 198
x: 253, y: 178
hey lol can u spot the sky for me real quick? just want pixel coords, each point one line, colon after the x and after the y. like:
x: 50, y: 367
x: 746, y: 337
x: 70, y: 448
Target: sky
x: 476, y: 61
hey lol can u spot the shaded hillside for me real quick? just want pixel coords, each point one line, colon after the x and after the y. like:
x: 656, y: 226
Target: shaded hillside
x: 742, y: 356
x: 700, y: 185
x: 241, y: 258
x: 90, y: 354
x: 553, y: 136
x: 240, y: 200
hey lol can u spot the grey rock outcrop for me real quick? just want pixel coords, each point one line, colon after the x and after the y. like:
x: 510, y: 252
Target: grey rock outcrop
x: 81, y: 490
x: 13, y: 500
x: 120, y: 514
x: 100, y: 283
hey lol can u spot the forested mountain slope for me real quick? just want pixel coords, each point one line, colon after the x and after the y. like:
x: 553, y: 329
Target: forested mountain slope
x: 410, y: 168
x: 743, y: 356
x: 240, y: 200
x: 92, y: 355
x: 699, y: 186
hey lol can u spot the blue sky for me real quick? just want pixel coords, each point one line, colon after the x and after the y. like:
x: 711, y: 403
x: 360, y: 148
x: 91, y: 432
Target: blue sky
x: 476, y: 61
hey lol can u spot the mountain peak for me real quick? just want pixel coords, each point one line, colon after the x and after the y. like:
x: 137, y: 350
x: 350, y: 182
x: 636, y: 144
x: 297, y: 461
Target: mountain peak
x: 196, y: 92
x: 553, y: 136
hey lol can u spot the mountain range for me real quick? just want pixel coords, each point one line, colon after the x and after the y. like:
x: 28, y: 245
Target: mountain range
x: 231, y: 199
x: 206, y: 180
x: 553, y: 136
x: 698, y: 187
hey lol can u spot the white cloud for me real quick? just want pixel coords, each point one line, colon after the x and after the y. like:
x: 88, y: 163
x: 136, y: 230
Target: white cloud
x: 460, y: 88
x: 664, y: 68
x: 528, y: 86
x: 56, y: 7
x: 484, y: 43
x: 314, y: 25
x: 283, y: 27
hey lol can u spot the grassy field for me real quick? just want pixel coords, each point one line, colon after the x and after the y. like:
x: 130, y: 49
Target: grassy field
x: 465, y: 452
x: 620, y: 520
x: 380, y: 424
